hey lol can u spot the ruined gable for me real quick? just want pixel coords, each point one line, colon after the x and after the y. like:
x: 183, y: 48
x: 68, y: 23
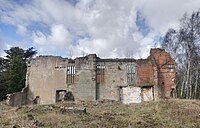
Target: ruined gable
x: 166, y: 71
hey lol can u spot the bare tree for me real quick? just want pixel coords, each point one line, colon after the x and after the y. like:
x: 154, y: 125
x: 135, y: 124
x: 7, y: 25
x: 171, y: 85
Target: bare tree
x: 184, y: 46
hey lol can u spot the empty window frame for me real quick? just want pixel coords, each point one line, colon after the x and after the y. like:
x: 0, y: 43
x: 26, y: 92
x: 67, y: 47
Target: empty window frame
x: 100, y: 73
x: 70, y: 74
x: 130, y: 69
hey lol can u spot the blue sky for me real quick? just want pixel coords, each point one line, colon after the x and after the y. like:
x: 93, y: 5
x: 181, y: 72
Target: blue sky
x: 116, y: 28
x: 8, y: 33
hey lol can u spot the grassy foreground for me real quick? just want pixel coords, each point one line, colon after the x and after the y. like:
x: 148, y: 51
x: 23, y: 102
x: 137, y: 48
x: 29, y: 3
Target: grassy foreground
x: 106, y: 114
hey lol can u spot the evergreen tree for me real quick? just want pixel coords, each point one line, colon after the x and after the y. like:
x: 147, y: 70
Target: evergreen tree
x: 13, y: 70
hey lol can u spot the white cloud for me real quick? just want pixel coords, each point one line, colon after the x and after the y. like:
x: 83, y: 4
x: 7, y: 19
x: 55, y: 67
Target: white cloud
x: 162, y: 14
x: 21, y: 30
x: 105, y: 27
x: 58, y: 39
x: 3, y: 46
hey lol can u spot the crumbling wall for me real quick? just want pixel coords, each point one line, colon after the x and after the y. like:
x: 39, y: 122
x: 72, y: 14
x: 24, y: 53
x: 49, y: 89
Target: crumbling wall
x: 115, y: 76
x: 84, y: 84
x: 131, y: 95
x: 20, y: 98
x: 166, y: 71
x: 47, y: 75
x: 145, y: 72
x: 147, y: 75
x: 17, y: 99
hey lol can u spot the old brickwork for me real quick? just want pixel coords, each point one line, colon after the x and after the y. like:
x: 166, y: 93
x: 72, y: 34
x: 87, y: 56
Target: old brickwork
x: 147, y: 76
x: 166, y: 71
x: 52, y: 79
x: 145, y: 72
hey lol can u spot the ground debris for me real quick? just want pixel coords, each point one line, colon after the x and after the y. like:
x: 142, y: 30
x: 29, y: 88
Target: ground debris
x: 105, y: 114
x: 30, y: 117
x: 76, y: 110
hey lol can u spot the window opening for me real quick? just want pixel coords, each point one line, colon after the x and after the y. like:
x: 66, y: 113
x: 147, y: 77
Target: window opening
x: 130, y: 69
x: 100, y: 73
x: 70, y: 74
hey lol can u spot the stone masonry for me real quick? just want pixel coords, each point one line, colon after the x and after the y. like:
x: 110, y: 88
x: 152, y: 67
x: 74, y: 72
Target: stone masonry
x: 51, y: 79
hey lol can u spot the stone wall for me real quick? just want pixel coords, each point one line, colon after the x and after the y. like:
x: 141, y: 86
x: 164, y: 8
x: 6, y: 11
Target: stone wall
x: 18, y: 99
x: 84, y: 85
x: 47, y: 75
x: 90, y: 78
x: 115, y: 76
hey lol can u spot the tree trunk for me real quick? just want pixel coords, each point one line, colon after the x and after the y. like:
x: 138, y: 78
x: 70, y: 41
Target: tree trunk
x: 182, y: 87
x: 196, y: 84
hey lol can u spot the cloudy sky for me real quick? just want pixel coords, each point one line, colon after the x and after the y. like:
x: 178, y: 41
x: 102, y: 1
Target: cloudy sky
x: 110, y: 28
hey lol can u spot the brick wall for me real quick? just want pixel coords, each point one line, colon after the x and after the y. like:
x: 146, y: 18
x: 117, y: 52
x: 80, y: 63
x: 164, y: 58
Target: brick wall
x: 166, y: 71
x: 145, y: 72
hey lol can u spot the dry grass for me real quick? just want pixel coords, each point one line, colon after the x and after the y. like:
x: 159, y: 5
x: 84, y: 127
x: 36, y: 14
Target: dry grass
x: 162, y: 114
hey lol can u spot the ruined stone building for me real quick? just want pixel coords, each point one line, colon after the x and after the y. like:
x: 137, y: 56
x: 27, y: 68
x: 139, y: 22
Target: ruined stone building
x: 51, y: 79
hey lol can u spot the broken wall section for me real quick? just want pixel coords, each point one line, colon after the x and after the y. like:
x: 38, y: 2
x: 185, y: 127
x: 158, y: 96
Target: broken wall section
x: 117, y: 73
x: 131, y: 95
x: 166, y: 71
x: 18, y: 99
x: 147, y: 77
x: 51, y: 75
x: 47, y: 76
x: 83, y: 87
x: 146, y: 72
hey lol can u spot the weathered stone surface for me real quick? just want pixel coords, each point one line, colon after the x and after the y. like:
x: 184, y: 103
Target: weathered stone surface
x: 90, y: 78
x: 17, y: 99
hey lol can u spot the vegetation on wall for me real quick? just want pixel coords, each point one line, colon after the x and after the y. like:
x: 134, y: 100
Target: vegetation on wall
x: 13, y: 70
